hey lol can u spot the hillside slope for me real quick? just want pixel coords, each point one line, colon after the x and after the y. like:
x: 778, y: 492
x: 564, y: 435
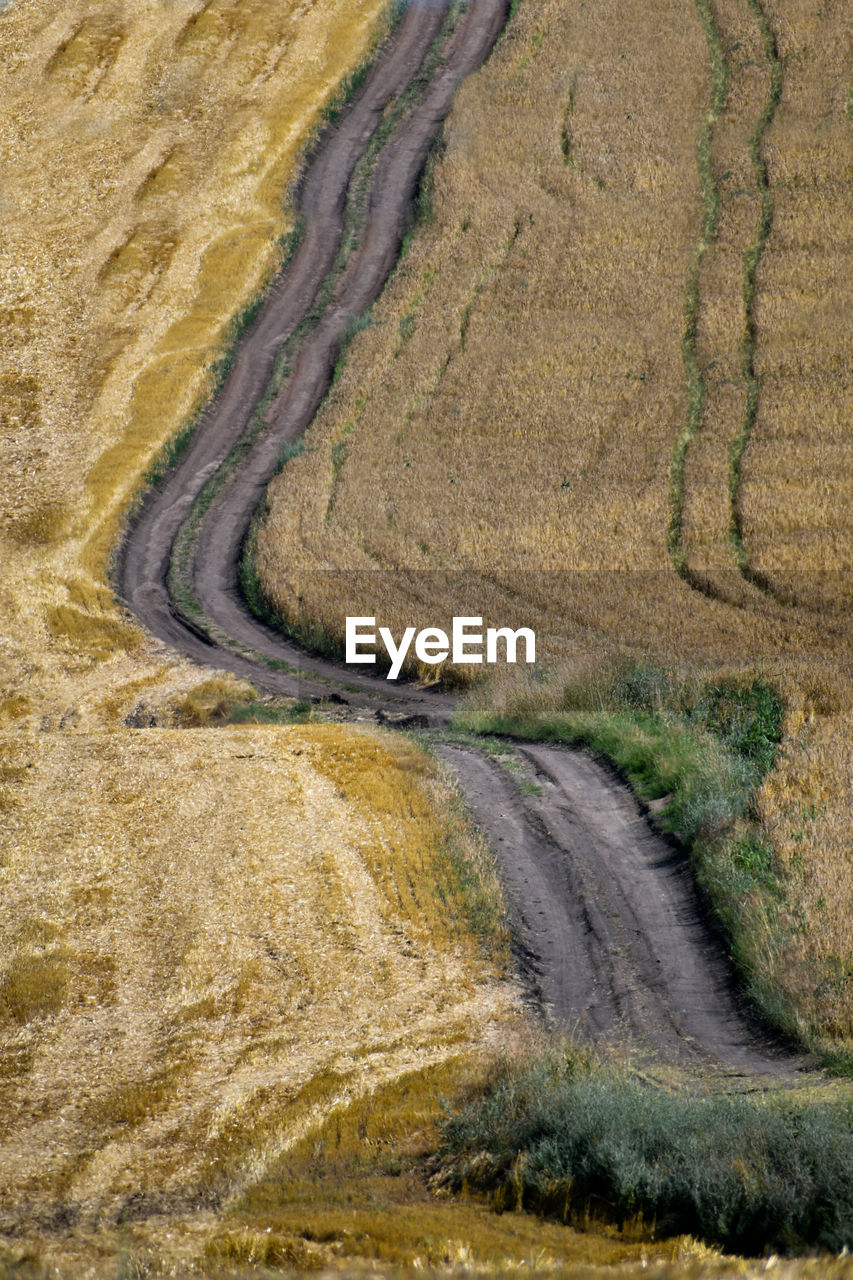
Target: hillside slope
x: 212, y: 936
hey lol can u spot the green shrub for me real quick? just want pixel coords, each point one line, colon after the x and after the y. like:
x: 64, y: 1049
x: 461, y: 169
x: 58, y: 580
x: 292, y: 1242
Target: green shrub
x: 745, y: 716
x: 745, y: 1174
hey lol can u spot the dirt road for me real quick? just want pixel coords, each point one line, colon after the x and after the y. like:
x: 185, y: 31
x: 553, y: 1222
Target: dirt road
x: 220, y: 629
x: 610, y: 931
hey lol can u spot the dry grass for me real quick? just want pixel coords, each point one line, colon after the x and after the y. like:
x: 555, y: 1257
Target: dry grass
x: 215, y: 938
x: 805, y: 807
x: 509, y: 353
x: 501, y: 441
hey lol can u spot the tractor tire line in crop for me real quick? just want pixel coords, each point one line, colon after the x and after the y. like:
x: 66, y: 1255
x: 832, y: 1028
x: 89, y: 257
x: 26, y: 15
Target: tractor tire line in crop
x: 607, y: 919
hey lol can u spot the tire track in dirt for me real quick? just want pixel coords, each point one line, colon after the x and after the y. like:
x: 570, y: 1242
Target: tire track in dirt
x: 611, y: 934
x: 609, y: 929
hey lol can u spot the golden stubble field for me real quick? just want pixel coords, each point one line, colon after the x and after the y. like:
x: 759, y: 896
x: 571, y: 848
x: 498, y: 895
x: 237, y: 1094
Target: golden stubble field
x: 213, y: 941
x: 502, y: 438
x: 146, y: 151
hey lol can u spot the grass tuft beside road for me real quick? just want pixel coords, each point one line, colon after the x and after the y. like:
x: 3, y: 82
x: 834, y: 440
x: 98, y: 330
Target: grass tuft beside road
x: 564, y: 1136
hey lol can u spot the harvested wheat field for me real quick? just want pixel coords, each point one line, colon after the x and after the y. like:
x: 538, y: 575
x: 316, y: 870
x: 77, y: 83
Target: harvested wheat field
x: 605, y: 395
x: 248, y: 958
x: 213, y: 940
x: 525, y: 367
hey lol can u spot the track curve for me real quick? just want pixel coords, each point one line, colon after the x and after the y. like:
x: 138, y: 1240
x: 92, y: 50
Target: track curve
x: 609, y: 928
x: 220, y: 630
x: 606, y: 913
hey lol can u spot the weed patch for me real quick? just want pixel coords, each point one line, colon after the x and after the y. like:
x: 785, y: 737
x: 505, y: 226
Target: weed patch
x: 297, y: 712
x: 562, y: 1137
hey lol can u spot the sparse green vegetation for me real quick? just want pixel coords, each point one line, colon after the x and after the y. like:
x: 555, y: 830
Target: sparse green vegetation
x: 561, y: 1136
x: 710, y: 216
x: 213, y: 702
x: 354, y: 325
x: 298, y: 711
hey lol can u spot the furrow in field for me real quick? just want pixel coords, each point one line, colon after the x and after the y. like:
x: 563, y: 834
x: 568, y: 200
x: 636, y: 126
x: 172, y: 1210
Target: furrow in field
x: 796, y: 479
x: 726, y: 369
x: 710, y: 215
x: 750, y: 276
x: 720, y: 339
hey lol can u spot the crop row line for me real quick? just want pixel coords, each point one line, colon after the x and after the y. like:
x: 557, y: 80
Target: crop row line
x: 696, y: 389
x: 696, y: 384
x: 751, y: 261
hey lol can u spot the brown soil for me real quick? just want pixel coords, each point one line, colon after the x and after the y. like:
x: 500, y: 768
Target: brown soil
x: 608, y: 924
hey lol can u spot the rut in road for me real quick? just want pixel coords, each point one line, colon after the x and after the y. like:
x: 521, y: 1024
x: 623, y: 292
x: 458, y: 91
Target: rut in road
x: 605, y: 911
x: 606, y: 914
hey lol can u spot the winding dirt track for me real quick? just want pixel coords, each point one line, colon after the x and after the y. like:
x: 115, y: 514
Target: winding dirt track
x: 610, y: 932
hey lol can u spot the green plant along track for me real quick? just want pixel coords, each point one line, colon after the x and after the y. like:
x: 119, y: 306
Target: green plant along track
x: 696, y: 387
